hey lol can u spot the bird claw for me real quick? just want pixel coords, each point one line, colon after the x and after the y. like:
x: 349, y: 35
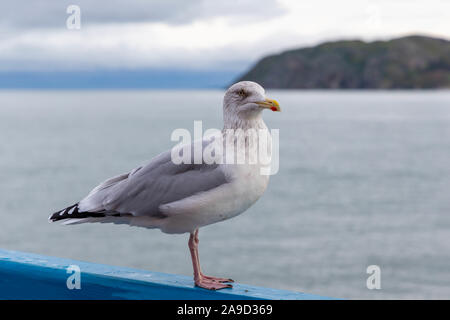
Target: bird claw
x: 212, y: 283
x: 217, y: 279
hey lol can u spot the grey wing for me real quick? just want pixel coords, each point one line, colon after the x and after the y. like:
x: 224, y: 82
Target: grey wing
x: 143, y: 190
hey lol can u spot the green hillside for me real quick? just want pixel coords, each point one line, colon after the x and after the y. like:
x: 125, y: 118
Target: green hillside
x: 408, y: 62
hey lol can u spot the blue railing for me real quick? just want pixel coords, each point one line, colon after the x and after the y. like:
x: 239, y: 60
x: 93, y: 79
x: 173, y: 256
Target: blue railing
x: 32, y: 276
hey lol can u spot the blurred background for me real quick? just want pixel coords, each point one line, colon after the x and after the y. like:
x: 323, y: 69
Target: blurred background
x: 95, y: 91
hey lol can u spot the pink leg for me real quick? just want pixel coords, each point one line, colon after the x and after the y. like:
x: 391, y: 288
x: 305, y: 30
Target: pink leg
x: 201, y: 280
x: 217, y: 279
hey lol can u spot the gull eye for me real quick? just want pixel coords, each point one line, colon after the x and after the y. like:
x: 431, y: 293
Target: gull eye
x: 242, y: 93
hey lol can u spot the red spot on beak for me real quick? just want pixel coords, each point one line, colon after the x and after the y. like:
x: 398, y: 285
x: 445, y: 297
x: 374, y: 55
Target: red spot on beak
x: 273, y: 109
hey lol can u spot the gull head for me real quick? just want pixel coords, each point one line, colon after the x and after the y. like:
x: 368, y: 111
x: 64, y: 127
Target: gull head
x: 246, y: 100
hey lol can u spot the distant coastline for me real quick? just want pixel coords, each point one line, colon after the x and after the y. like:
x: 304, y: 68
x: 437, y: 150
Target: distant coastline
x: 116, y: 79
x: 413, y: 62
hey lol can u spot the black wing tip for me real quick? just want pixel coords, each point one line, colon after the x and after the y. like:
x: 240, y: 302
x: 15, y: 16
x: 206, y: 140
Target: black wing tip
x: 72, y: 212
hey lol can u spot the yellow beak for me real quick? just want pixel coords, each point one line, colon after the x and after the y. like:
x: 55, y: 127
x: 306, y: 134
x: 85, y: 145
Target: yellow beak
x: 269, y: 104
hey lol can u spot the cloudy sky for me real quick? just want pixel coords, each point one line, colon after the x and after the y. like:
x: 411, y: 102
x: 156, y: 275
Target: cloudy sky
x: 196, y: 34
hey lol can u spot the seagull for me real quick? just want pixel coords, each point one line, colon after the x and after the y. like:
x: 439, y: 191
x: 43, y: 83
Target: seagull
x: 181, y: 198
